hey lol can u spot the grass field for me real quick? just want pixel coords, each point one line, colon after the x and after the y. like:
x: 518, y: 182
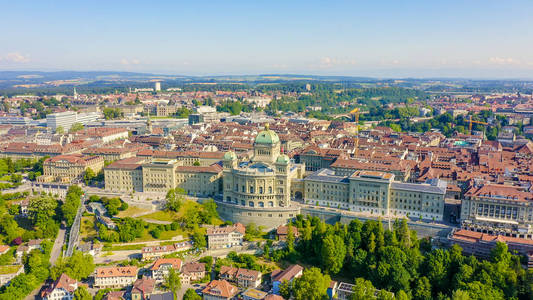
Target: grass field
x: 161, y: 216
x: 87, y: 230
x: 131, y: 211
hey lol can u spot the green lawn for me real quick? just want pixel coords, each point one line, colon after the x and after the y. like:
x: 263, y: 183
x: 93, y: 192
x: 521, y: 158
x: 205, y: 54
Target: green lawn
x: 87, y: 230
x: 165, y: 235
x: 132, y: 210
x: 161, y: 216
x: 171, y: 216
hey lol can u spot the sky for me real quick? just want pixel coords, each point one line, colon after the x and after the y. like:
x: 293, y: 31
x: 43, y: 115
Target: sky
x: 377, y: 38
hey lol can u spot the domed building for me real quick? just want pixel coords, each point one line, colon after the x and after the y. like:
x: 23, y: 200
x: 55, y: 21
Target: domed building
x: 259, y: 190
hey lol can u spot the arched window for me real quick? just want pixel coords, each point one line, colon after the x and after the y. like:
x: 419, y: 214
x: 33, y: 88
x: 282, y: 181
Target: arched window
x: 243, y: 203
x: 251, y: 203
x: 228, y: 199
x: 261, y: 204
x: 270, y: 204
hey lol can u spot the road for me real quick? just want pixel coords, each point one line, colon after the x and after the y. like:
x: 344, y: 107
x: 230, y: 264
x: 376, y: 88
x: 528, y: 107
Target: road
x: 56, y: 251
x: 58, y: 244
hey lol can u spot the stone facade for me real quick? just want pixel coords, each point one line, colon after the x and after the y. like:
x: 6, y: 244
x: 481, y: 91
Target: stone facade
x: 375, y: 193
x: 261, y: 185
x: 161, y: 174
x: 71, y: 167
x: 498, y: 209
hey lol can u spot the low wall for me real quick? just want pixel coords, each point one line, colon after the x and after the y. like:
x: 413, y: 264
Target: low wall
x: 268, y: 217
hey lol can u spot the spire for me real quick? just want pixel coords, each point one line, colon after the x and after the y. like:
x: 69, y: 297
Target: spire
x: 267, y: 126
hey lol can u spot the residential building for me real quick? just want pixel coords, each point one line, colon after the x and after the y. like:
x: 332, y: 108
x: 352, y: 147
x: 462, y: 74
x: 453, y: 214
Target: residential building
x: 219, y: 290
x: 244, y: 278
x: 115, y: 295
x: 283, y: 231
x: 114, y: 277
x: 225, y: 236
x: 279, y: 276
x: 111, y: 153
x: 152, y: 252
x: 162, y: 266
x: 142, y: 288
x: 192, y: 271
x: 253, y: 294
x: 61, y: 289
x: 70, y: 168
x: 481, y: 244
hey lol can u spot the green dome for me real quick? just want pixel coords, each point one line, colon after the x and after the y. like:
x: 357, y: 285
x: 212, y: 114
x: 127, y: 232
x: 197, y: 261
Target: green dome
x: 283, y: 159
x: 267, y: 136
x: 230, y: 155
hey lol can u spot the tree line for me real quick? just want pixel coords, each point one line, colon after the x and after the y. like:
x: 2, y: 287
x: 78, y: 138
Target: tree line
x: 398, y: 263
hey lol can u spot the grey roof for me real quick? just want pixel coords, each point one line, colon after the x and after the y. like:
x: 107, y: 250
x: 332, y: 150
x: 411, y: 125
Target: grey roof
x: 420, y: 187
x: 327, y: 175
x: 164, y: 296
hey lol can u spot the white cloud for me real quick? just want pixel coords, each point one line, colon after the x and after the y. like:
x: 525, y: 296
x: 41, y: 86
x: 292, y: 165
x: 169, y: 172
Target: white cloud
x: 16, y: 57
x: 503, y: 61
x: 127, y: 62
x: 328, y: 62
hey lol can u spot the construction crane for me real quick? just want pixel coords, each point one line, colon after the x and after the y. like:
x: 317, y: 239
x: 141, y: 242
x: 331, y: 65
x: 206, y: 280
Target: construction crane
x: 355, y: 118
x: 470, y: 121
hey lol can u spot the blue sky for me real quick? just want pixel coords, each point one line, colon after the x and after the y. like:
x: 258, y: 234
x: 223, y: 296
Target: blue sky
x: 393, y: 38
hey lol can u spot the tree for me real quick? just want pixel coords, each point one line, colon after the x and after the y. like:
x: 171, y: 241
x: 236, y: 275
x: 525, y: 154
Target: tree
x: 172, y: 282
x: 88, y: 176
x: 79, y: 266
x: 312, y: 285
x: 423, y: 289
x: 285, y: 289
x: 191, y: 294
x: 363, y: 289
x: 112, y: 113
x: 290, y: 238
x: 385, y: 295
x: 69, y: 209
x: 81, y: 293
x: 460, y: 295
x: 209, y: 211
x: 60, y: 130
x: 76, y: 127
x: 41, y: 210
x: 174, y: 200
x: 333, y: 253
x: 199, y: 239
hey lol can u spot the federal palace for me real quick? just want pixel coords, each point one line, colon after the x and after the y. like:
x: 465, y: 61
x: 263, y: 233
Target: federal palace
x: 261, y: 188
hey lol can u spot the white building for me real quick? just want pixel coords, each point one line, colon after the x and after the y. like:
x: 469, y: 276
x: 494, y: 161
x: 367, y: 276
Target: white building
x: 157, y: 86
x: 162, y: 266
x: 114, y: 277
x: 63, y: 119
x: 225, y: 237
x: 86, y: 118
x: 62, y: 289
